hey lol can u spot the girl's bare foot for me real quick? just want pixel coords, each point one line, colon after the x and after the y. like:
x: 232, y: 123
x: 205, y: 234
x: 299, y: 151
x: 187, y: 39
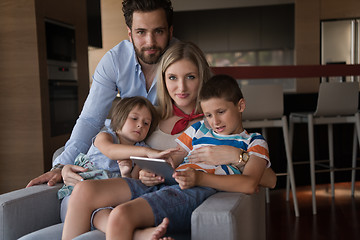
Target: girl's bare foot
x: 154, y: 233
x: 160, y: 231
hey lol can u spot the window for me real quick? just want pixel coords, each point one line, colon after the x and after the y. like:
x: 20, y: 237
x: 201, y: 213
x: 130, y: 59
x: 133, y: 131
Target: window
x: 255, y: 58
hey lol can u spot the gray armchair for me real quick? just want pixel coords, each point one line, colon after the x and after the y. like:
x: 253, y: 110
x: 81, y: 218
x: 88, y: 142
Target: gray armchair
x: 222, y: 216
x: 34, y: 213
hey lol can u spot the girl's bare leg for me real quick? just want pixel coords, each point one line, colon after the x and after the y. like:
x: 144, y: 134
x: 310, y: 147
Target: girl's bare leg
x: 101, y: 218
x: 88, y: 196
x: 154, y: 233
x: 128, y: 217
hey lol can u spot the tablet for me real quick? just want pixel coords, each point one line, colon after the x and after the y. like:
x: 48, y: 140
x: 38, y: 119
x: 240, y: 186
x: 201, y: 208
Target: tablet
x: 158, y: 166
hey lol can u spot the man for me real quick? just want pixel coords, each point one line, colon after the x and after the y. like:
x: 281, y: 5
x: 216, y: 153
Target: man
x: 128, y: 68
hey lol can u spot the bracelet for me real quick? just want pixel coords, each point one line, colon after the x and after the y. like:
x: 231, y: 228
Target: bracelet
x: 237, y: 165
x: 57, y: 166
x: 243, y: 158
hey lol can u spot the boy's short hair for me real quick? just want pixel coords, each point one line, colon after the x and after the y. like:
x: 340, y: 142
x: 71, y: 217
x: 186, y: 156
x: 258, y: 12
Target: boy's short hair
x: 131, y: 6
x: 221, y: 86
x: 121, y: 111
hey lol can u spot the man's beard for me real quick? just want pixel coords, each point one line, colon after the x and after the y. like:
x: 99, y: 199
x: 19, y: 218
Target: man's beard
x: 152, y: 58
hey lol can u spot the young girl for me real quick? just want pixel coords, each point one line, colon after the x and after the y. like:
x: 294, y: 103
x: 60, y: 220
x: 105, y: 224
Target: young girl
x: 132, y: 120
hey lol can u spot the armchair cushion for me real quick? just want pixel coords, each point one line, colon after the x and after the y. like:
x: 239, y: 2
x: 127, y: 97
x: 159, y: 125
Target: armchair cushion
x: 27, y: 210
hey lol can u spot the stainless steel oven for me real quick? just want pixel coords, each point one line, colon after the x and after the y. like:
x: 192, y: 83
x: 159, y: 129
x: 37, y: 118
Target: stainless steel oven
x: 64, y: 110
x: 62, y: 77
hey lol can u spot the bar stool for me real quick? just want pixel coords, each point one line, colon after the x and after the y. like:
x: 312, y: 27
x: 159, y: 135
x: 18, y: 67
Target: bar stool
x: 337, y: 103
x: 264, y: 109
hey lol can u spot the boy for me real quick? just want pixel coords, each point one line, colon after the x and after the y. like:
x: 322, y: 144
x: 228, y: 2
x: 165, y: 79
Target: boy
x: 222, y: 103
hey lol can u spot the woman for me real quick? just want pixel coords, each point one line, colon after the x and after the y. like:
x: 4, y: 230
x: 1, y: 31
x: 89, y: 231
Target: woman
x: 180, y: 92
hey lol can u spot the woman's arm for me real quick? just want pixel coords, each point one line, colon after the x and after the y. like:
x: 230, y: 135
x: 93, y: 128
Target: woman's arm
x: 247, y: 182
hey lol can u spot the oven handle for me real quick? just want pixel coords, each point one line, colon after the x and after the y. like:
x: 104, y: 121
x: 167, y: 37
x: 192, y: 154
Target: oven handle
x: 63, y: 83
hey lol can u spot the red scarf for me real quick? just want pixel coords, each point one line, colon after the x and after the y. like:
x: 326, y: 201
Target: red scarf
x: 181, y: 124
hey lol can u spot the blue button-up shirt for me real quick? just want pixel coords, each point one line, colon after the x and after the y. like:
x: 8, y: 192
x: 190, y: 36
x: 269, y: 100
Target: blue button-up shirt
x: 118, y: 71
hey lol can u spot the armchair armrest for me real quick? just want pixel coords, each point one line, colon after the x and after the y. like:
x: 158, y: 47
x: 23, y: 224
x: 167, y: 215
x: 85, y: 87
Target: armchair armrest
x: 227, y: 215
x: 27, y: 210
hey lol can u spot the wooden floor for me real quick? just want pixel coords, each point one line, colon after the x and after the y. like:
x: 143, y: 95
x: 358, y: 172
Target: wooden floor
x: 336, y: 219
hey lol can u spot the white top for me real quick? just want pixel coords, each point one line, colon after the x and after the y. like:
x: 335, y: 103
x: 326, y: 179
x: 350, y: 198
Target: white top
x: 161, y: 141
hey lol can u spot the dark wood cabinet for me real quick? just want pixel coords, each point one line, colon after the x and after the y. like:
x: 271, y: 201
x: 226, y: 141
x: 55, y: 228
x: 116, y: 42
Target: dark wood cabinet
x: 26, y: 144
x: 94, y: 23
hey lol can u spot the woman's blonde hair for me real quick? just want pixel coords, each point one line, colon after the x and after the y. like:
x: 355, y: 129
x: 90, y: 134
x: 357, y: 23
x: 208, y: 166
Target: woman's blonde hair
x: 176, y: 52
x: 121, y: 111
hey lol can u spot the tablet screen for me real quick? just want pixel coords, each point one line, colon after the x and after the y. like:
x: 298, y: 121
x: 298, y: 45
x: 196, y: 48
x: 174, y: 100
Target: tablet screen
x: 158, y: 166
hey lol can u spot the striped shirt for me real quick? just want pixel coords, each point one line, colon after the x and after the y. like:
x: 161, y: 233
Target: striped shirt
x: 200, y: 134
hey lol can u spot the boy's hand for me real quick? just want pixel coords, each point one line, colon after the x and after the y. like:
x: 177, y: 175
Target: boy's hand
x: 188, y: 178
x: 215, y: 155
x: 149, y: 178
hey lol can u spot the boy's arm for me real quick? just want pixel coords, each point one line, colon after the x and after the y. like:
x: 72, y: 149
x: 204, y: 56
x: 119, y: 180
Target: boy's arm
x: 268, y: 178
x: 247, y: 182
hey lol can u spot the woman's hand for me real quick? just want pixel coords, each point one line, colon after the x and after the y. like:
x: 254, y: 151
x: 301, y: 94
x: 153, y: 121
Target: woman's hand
x: 188, y: 178
x: 70, y: 176
x: 215, y: 155
x: 149, y: 178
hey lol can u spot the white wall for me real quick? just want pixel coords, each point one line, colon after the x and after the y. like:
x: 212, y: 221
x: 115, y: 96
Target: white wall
x: 113, y: 31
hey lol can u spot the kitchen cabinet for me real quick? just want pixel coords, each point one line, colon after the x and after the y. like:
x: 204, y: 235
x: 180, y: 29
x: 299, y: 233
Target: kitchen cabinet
x: 26, y: 145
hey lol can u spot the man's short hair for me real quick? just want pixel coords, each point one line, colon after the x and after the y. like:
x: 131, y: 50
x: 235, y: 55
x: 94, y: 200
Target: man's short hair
x: 221, y: 86
x: 130, y: 6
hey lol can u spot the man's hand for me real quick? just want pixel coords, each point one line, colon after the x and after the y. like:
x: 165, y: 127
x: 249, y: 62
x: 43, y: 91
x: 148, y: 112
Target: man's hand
x: 215, y: 155
x: 149, y: 178
x: 70, y: 176
x: 51, y: 177
x: 188, y: 178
